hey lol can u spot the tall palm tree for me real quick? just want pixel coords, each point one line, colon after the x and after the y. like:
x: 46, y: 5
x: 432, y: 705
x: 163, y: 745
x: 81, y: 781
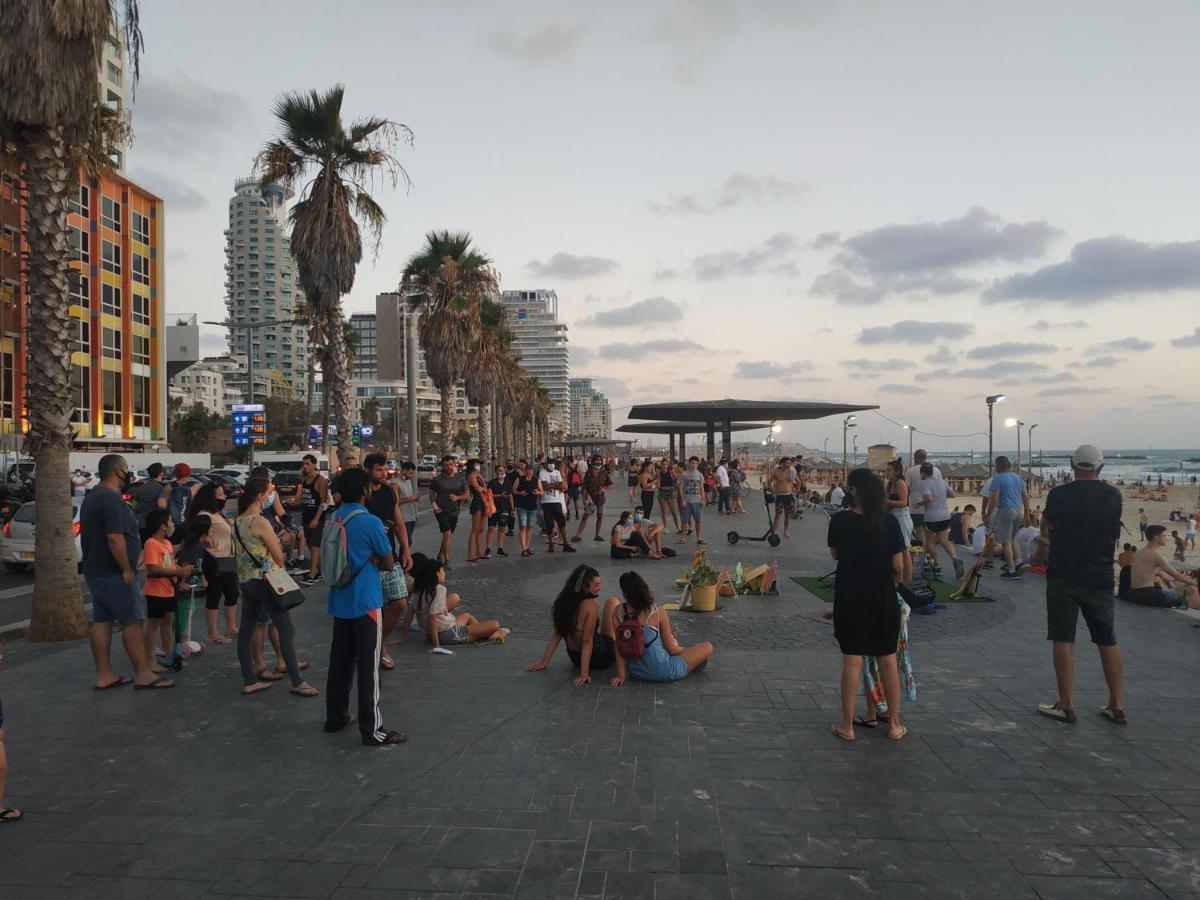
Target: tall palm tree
x: 326, y: 235
x: 448, y: 279
x: 483, y: 376
x: 52, y: 116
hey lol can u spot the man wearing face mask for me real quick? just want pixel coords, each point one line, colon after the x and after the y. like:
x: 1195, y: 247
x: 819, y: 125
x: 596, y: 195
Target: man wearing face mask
x: 550, y: 487
x: 111, y: 545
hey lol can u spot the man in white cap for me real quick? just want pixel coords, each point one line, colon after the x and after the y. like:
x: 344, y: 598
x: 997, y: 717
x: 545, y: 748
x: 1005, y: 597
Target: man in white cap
x: 1082, y: 522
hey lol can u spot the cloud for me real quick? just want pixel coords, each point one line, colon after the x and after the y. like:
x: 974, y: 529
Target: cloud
x: 913, y: 331
x: 179, y: 196
x: 568, y: 265
x: 1043, y: 325
x: 1104, y: 268
x: 1132, y: 344
x: 641, y: 350
x: 580, y: 355
x: 1056, y: 378
x: 1191, y: 340
x: 900, y: 389
x: 787, y: 372
x: 1100, y: 362
x: 665, y: 273
x: 1163, y: 398
x: 1009, y: 348
x: 183, y: 118
x: 610, y: 387
x: 600, y: 298
x: 738, y: 189
x: 651, y: 310
x: 878, y: 365
x: 941, y: 356
x: 997, y: 370
x: 1072, y: 391
x: 548, y: 44
x: 771, y: 256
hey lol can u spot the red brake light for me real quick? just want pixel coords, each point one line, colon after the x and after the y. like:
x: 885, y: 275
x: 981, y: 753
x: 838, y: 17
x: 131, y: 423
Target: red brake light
x: 8, y: 529
x: 75, y: 528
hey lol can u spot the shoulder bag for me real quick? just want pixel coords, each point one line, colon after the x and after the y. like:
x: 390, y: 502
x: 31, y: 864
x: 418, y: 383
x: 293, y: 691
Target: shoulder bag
x: 278, y: 587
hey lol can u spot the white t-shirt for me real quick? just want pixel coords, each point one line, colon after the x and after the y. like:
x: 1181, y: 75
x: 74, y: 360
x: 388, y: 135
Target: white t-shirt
x: 437, y: 607
x: 936, y: 510
x: 912, y: 477
x: 979, y: 538
x: 722, y: 477
x: 1191, y: 526
x: 581, y: 466
x: 408, y: 488
x: 552, y: 485
x: 1027, y: 541
x: 836, y: 496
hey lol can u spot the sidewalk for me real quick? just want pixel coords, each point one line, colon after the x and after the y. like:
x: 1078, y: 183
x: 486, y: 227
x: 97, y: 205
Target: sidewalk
x: 517, y: 784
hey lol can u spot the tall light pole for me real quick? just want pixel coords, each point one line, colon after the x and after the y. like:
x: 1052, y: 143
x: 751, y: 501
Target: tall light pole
x: 1031, y: 427
x: 250, y: 328
x: 854, y: 445
x: 910, y: 429
x: 851, y: 421
x: 991, y: 402
x: 1010, y: 422
x: 825, y: 453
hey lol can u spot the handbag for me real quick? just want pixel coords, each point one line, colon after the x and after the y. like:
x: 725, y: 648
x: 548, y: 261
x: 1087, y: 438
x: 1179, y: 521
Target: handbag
x: 281, y: 590
x: 225, y: 565
x: 489, y: 502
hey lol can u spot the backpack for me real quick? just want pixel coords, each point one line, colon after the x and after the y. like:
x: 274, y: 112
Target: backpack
x: 335, y: 553
x: 631, y: 644
x: 181, y: 496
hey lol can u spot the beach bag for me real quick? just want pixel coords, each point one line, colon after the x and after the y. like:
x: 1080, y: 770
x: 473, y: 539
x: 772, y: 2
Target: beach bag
x: 335, y: 559
x: 489, y: 502
x: 630, y: 642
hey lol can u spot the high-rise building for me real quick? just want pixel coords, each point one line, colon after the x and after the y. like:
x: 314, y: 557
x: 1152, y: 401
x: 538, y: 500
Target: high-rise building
x: 365, y: 362
x: 262, y: 285
x: 118, y: 326
x: 111, y: 75
x: 540, y: 342
x: 202, y: 383
x: 591, y: 413
x: 391, y: 319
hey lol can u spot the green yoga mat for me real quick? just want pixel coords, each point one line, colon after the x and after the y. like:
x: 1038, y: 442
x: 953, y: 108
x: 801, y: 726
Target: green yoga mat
x: 823, y: 588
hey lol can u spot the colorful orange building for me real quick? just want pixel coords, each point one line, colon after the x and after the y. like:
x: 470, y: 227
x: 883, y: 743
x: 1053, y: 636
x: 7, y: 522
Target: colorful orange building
x: 117, y: 312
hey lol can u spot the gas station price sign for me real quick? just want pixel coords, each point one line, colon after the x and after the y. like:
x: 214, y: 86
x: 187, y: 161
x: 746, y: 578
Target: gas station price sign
x: 249, y: 425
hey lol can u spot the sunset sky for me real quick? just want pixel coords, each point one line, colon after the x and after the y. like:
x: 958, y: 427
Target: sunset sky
x: 913, y: 205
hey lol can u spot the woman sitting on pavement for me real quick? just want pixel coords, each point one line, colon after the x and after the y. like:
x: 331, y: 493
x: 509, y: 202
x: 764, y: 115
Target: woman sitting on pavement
x: 435, y: 609
x: 662, y: 658
x: 650, y: 531
x: 627, y: 541
x: 581, y: 623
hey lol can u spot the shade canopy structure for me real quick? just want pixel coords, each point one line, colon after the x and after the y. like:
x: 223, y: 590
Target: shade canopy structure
x: 722, y: 413
x: 571, y: 443
x: 681, y: 430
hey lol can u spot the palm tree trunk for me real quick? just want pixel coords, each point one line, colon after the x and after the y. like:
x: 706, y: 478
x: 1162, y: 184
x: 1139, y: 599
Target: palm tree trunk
x: 485, y: 435
x: 57, y: 613
x: 337, y: 380
x: 447, y: 398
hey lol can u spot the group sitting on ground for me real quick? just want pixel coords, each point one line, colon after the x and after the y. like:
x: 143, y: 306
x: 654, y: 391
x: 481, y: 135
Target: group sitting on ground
x: 1150, y: 575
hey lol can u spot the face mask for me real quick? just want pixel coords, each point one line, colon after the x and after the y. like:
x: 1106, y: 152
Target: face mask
x: 550, y: 467
x: 637, y: 518
x: 590, y: 595
x: 126, y: 478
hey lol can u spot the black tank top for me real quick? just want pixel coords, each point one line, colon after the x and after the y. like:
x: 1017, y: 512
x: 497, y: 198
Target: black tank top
x: 310, y: 500
x: 382, y: 504
x: 666, y: 481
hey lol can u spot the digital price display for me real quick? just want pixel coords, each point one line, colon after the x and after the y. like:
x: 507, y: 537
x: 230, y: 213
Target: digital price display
x: 249, y: 425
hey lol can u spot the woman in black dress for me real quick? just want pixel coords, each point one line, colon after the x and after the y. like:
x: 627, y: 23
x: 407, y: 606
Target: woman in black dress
x: 869, y: 549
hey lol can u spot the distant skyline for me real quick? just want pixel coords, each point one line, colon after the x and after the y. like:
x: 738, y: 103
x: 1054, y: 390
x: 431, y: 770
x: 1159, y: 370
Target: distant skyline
x: 913, y: 206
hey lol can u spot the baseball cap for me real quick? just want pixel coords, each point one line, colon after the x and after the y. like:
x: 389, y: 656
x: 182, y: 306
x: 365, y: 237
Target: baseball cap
x: 182, y: 470
x: 1087, y: 456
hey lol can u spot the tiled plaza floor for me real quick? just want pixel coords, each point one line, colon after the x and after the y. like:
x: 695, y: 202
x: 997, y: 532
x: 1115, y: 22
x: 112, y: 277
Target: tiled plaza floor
x: 518, y: 784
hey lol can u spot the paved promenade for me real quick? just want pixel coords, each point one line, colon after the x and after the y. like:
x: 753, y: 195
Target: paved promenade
x: 517, y: 784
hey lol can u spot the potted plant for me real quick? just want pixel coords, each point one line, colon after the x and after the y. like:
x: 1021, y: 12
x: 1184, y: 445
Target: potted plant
x: 702, y: 582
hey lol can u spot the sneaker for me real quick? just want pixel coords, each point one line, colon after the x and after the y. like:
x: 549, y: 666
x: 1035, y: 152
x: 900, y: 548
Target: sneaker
x: 959, y: 570
x: 1054, y: 711
x: 500, y: 551
x: 310, y: 580
x: 577, y: 539
x: 1021, y: 567
x: 487, y: 553
x: 600, y: 539
x: 1010, y: 573
x: 567, y: 548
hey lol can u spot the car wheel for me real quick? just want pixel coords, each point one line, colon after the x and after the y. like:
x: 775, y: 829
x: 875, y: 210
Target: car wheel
x: 16, y: 566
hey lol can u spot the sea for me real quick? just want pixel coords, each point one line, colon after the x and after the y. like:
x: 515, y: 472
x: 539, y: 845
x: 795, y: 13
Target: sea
x: 1128, y: 465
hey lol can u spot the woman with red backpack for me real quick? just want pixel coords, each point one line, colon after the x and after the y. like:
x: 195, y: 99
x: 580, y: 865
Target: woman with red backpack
x: 646, y: 645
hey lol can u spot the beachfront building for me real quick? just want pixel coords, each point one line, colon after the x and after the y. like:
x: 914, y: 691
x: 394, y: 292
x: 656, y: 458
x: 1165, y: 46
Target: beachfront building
x: 591, y: 413
x: 391, y: 322
x: 263, y: 285
x: 540, y: 342
x: 365, y: 362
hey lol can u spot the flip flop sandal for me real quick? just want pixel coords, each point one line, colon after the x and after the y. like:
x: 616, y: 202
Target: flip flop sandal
x: 840, y: 736
x: 899, y: 737
x: 386, y: 664
x: 309, y: 692
x: 121, y: 681
x: 866, y: 723
x: 220, y: 639
x: 257, y: 688
x: 1117, y: 716
x: 267, y: 675
x: 159, y: 683
x: 11, y: 815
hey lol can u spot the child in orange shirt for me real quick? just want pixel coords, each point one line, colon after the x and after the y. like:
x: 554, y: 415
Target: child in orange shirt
x: 162, y: 574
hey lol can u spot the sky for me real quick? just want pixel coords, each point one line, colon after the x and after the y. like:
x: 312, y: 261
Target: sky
x: 909, y: 205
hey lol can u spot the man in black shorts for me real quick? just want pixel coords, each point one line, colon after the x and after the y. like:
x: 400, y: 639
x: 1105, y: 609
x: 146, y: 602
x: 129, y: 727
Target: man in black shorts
x: 1082, y: 521
x: 311, y: 495
x: 446, y: 491
x: 382, y: 500
x: 501, y: 520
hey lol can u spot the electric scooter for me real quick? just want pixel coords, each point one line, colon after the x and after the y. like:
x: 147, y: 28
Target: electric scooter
x: 771, y: 537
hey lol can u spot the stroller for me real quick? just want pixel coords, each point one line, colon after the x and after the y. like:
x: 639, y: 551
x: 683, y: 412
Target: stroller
x: 771, y: 537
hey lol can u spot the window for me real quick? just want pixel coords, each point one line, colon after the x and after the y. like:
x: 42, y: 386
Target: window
x: 110, y: 300
x: 112, y: 343
x: 114, y: 74
x: 141, y: 310
x: 110, y: 213
x: 6, y: 399
x: 141, y: 349
x: 141, y: 227
x: 83, y: 249
x: 141, y: 401
x: 112, y: 397
x: 81, y: 205
x: 81, y: 288
x: 141, y: 268
x: 110, y: 257
x: 81, y: 342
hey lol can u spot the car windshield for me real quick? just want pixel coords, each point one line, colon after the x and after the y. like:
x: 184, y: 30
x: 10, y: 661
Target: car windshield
x: 27, y: 514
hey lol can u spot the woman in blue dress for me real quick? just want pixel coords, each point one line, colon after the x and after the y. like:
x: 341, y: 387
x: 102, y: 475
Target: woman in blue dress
x: 662, y: 659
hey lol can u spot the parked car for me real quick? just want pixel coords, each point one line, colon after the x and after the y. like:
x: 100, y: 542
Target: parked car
x: 233, y: 486
x: 231, y: 472
x: 286, y: 481
x: 425, y: 474
x: 16, y: 538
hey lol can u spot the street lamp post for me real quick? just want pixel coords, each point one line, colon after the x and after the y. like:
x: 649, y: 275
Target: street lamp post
x: 849, y: 422
x: 250, y: 327
x: 910, y: 429
x: 854, y: 445
x: 1030, y: 442
x: 991, y: 402
x: 1017, y: 424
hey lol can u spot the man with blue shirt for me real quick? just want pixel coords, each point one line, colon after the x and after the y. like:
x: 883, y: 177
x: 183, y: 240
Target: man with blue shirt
x: 1008, y: 506
x: 357, y: 617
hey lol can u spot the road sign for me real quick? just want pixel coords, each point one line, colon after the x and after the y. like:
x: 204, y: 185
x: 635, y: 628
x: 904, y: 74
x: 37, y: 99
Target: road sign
x: 249, y: 424
x: 368, y: 431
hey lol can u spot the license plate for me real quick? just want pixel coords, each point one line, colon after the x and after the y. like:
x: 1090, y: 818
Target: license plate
x: 22, y: 554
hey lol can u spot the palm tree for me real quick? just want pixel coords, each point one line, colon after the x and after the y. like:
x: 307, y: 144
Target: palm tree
x: 448, y: 279
x: 319, y: 351
x: 482, y: 378
x: 326, y: 237
x: 52, y: 117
